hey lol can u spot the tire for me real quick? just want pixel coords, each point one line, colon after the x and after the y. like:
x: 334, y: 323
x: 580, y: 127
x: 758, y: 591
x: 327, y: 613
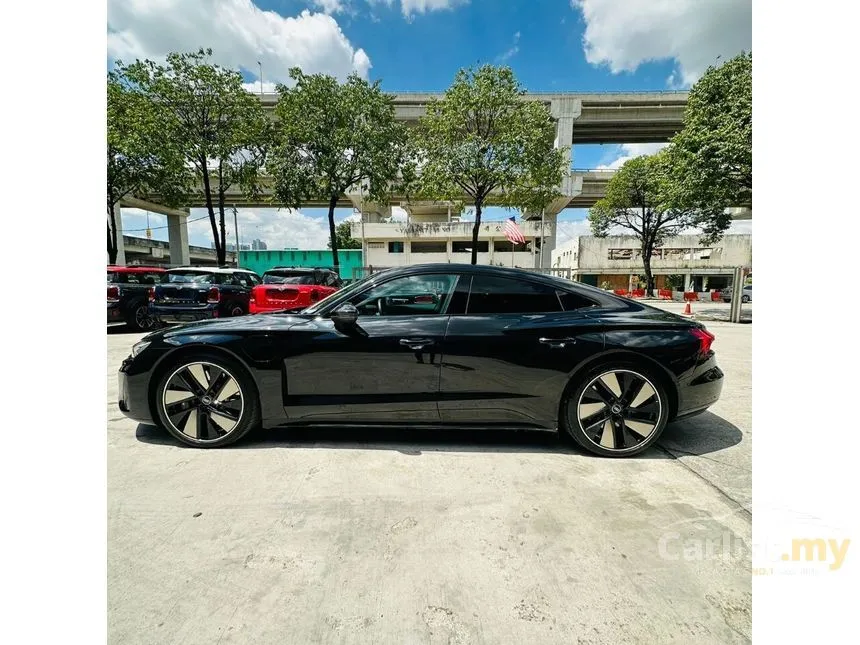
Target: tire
x: 236, y: 310
x: 139, y: 318
x: 626, y: 425
x: 745, y: 298
x: 222, y: 403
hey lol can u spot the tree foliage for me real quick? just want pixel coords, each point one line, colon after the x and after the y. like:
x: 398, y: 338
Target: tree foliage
x: 712, y: 156
x: 218, y: 128
x: 482, y: 138
x: 639, y: 198
x: 138, y: 160
x: 331, y: 138
x: 345, y: 240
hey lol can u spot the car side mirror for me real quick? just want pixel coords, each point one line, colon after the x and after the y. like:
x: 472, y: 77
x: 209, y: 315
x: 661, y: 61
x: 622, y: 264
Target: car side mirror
x: 345, y: 314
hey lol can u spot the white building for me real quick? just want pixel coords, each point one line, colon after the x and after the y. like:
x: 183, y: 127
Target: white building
x: 617, y: 260
x: 432, y: 234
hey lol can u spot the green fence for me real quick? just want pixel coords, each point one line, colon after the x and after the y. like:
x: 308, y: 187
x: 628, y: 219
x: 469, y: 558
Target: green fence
x: 261, y: 261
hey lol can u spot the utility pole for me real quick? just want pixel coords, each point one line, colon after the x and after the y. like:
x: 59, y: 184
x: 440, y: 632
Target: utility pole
x: 236, y: 229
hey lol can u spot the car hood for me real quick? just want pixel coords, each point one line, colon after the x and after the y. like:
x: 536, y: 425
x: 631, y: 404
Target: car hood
x: 259, y: 322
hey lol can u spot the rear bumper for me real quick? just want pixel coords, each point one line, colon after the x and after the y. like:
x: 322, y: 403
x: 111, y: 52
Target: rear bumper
x: 114, y: 315
x: 177, y: 314
x: 298, y: 303
x: 700, y: 389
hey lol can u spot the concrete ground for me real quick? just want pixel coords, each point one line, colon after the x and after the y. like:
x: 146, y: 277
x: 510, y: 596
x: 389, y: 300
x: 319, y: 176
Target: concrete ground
x: 398, y: 537
x: 705, y: 311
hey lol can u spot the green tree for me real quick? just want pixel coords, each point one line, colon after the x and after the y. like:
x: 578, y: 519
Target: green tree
x: 138, y: 160
x: 345, y: 240
x: 218, y: 127
x: 639, y: 199
x: 482, y: 138
x: 332, y: 137
x: 712, y: 163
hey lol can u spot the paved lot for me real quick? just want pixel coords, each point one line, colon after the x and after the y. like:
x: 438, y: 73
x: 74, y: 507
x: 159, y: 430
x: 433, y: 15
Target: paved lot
x: 393, y: 537
x: 705, y: 311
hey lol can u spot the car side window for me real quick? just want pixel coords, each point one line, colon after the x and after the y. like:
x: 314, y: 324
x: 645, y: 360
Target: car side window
x: 406, y: 296
x: 572, y: 301
x: 493, y: 295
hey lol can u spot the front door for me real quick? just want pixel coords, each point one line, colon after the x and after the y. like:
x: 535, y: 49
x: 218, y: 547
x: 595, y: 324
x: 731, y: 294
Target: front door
x: 382, y: 369
x: 509, y: 351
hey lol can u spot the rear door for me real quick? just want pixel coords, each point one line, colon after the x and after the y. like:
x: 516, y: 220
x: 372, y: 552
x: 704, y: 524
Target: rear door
x: 509, y: 349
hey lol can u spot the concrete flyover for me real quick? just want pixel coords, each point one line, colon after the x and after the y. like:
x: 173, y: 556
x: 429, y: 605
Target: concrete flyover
x: 581, y: 190
x: 581, y: 118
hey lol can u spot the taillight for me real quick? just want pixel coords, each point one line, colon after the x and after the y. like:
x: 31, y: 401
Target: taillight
x: 113, y: 294
x: 150, y: 294
x: 214, y: 295
x: 705, y: 339
x: 315, y: 295
x: 253, y: 299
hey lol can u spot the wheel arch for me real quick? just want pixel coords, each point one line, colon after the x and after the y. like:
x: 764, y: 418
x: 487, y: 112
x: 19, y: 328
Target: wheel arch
x: 167, y: 361
x: 667, y: 380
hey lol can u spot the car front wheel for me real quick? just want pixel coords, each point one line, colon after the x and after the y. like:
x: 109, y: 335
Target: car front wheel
x: 616, y: 410
x: 207, y: 401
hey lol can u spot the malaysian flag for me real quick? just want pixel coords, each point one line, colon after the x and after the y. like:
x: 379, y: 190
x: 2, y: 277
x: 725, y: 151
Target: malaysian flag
x: 513, y: 232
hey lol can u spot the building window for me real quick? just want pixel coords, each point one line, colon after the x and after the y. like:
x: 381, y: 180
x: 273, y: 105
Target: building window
x: 395, y: 247
x: 429, y: 247
x: 466, y: 247
x: 623, y: 254
x: 381, y: 245
x: 503, y: 246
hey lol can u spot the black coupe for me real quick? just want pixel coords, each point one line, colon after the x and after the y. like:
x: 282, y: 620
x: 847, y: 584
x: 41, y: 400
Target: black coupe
x: 430, y: 346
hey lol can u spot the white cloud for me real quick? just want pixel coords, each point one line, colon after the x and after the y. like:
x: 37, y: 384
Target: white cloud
x: 409, y: 7
x: 630, y: 151
x: 239, y: 32
x: 515, y: 48
x: 332, y: 6
x: 623, y: 35
x: 254, y: 87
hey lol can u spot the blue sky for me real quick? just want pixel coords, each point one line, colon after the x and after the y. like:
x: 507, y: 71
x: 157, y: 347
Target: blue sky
x: 418, y: 45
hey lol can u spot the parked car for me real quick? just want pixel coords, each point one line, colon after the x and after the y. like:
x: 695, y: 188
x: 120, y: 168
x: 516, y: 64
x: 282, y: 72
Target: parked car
x: 431, y: 346
x: 292, y: 287
x: 188, y: 294
x: 746, y: 294
x: 127, y: 288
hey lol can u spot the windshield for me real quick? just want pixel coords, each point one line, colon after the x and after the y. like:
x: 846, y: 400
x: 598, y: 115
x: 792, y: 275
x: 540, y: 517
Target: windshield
x: 345, y: 292
x: 189, y: 276
x: 288, y: 278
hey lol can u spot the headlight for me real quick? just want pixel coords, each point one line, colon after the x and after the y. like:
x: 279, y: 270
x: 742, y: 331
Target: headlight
x: 137, y: 348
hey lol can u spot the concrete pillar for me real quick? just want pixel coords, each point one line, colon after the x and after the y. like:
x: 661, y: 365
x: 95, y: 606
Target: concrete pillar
x: 565, y: 111
x: 120, y: 244
x: 688, y: 282
x: 177, y: 235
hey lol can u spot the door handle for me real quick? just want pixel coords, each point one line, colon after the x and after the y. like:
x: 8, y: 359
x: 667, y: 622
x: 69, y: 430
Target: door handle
x: 416, y: 344
x: 557, y: 343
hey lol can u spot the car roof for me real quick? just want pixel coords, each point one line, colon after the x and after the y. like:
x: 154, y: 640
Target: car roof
x: 137, y: 268
x: 297, y: 269
x: 212, y: 270
x: 505, y: 272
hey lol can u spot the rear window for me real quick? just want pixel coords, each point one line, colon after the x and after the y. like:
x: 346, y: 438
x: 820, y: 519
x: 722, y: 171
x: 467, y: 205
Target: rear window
x: 288, y: 278
x: 192, y: 276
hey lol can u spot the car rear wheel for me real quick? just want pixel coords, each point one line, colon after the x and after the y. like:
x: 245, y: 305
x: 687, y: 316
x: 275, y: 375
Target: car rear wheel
x: 236, y: 310
x: 139, y: 319
x: 616, y: 410
x: 207, y: 401
x: 745, y: 298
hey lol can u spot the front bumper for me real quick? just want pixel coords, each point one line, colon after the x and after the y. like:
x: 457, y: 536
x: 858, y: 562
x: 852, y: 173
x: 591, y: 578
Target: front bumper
x: 178, y: 314
x: 133, y: 394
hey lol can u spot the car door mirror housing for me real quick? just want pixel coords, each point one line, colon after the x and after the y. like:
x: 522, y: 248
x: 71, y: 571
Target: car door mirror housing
x: 345, y: 314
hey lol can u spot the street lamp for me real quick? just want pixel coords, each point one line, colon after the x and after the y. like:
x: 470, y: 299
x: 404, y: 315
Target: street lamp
x: 261, y: 78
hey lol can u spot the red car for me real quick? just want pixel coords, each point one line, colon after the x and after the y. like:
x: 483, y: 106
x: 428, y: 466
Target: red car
x: 292, y: 288
x: 127, y: 289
